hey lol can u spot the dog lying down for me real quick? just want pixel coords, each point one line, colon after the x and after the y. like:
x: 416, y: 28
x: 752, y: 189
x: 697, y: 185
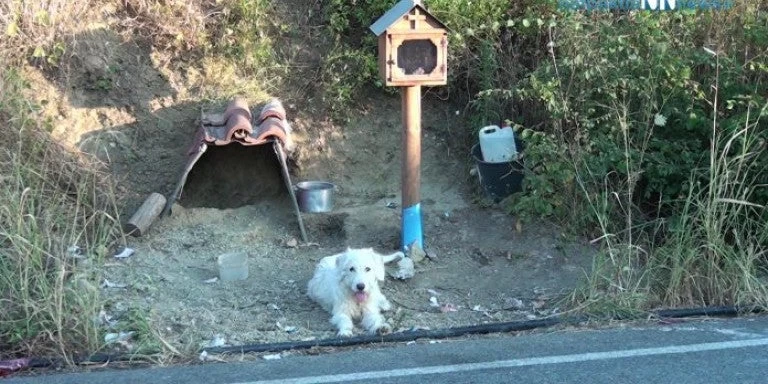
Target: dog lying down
x: 347, y: 286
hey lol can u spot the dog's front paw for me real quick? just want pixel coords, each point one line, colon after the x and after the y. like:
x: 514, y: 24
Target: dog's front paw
x: 385, y: 305
x: 344, y: 333
x: 382, y: 329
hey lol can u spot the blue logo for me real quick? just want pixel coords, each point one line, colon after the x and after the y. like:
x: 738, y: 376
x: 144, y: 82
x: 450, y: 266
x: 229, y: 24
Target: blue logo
x: 648, y: 5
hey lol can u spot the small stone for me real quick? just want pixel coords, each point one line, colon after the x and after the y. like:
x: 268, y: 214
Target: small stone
x: 405, y: 269
x: 292, y: 243
x: 416, y: 253
x: 515, y: 303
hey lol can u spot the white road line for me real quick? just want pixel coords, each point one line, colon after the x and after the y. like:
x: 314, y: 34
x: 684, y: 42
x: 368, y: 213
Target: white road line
x: 592, y: 356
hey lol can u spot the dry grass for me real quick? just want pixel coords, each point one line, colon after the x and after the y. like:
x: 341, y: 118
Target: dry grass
x: 56, y: 200
x: 53, y: 201
x: 32, y: 28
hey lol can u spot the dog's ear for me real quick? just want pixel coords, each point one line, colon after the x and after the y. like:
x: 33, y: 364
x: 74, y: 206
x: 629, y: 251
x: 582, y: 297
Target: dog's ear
x: 341, y: 259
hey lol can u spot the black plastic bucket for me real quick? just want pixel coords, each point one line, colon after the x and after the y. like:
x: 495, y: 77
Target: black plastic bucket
x: 499, y: 180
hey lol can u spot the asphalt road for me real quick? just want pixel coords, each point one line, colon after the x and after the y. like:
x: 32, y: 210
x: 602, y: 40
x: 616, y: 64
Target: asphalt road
x: 707, y: 351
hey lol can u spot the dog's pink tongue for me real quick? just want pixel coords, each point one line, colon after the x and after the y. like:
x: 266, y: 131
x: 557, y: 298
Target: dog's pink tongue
x: 360, y: 296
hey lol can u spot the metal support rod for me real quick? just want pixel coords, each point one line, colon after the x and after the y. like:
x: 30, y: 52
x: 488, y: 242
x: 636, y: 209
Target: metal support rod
x: 411, y: 167
x: 278, y: 147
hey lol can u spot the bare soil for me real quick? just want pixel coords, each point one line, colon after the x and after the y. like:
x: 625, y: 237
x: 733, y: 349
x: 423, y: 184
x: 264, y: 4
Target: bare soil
x: 139, y: 122
x: 481, y: 267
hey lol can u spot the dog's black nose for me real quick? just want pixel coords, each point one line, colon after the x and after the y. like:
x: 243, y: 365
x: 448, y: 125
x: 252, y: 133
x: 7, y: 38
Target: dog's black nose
x: 360, y: 286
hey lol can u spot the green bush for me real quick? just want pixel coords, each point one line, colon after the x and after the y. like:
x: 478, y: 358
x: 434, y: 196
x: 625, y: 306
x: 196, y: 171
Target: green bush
x: 655, y: 114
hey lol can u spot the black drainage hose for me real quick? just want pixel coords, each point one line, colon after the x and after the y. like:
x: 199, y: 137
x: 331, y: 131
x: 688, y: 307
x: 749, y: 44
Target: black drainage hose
x: 514, y: 326
x: 723, y: 311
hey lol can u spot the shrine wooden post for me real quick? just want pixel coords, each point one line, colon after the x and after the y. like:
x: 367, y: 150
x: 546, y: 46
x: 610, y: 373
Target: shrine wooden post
x: 413, y: 52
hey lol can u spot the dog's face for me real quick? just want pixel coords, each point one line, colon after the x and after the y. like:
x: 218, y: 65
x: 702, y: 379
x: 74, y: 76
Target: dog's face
x: 360, y: 270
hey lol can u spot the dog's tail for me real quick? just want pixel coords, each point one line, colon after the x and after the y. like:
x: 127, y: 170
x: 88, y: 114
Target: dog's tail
x: 397, y: 256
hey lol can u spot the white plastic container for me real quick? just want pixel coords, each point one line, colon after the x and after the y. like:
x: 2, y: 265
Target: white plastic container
x: 498, y: 144
x: 233, y: 266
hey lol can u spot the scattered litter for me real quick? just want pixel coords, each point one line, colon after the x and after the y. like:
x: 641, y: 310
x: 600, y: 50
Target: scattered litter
x: 446, y: 214
x: 288, y: 329
x: 515, y: 303
x: 412, y: 342
x: 538, y: 304
x: 292, y: 243
x: 275, y: 356
x: 126, y: 252
x: 275, y: 307
x: 445, y: 308
x: 9, y: 366
x: 479, y: 308
x: 120, y: 337
x: 530, y: 316
x: 217, y: 341
x: 405, y: 269
x: 109, y: 284
x: 211, y: 280
x: 414, y: 328
x: 106, y: 320
x: 392, y: 205
x: 433, y: 302
x: 435, y: 341
x: 205, y: 357
x: 311, y: 338
x: 75, y: 252
x: 433, y: 292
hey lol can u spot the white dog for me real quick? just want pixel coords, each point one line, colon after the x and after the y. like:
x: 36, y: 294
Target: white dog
x: 347, y: 286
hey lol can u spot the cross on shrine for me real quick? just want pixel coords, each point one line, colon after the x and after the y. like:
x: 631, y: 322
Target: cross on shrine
x: 415, y: 18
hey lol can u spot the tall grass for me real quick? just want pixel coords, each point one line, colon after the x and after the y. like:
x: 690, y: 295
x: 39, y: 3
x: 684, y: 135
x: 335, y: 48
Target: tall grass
x: 716, y: 252
x: 712, y: 252
x: 58, y: 220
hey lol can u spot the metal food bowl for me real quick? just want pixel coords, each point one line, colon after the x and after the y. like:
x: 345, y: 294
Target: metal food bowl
x: 315, y: 196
